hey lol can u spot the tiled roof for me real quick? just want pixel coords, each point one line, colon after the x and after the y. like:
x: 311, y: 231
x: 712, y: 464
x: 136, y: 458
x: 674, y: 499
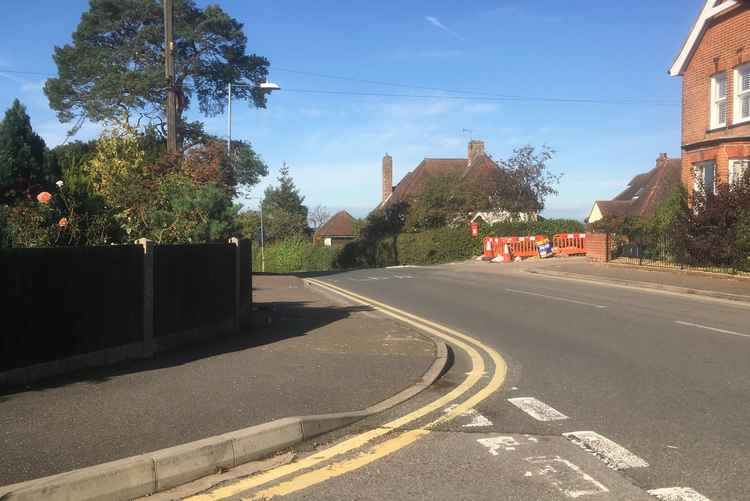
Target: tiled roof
x: 646, y: 192
x: 341, y: 224
x: 414, y: 182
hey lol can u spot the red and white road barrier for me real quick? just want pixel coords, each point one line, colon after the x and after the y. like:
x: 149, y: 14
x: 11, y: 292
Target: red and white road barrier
x: 524, y: 246
x: 570, y: 244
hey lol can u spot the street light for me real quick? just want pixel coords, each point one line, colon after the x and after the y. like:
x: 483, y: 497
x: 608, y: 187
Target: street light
x: 266, y: 86
x: 262, y: 238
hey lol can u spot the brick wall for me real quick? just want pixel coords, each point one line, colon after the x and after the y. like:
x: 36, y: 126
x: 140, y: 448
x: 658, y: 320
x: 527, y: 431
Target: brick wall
x: 724, y: 45
x: 597, y: 246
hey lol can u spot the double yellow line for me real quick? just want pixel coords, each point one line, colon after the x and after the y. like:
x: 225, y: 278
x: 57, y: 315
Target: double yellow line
x: 375, y: 452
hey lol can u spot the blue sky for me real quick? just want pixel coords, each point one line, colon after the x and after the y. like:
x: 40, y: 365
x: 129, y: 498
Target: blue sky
x: 333, y: 143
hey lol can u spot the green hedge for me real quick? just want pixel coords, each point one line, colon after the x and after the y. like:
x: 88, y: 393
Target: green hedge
x: 547, y: 227
x: 294, y: 255
x: 442, y: 245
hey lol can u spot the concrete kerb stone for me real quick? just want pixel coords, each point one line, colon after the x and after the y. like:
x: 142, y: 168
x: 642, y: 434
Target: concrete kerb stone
x: 146, y: 474
x: 643, y: 285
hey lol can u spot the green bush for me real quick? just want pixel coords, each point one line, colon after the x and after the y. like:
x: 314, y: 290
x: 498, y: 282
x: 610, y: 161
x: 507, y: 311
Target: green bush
x: 295, y: 254
x: 743, y: 241
x: 441, y: 245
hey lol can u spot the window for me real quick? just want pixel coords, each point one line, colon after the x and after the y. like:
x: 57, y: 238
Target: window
x: 737, y: 168
x: 704, y: 174
x: 718, y: 100
x: 742, y: 93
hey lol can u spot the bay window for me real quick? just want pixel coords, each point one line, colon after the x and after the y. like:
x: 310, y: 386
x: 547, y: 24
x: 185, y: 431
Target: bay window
x: 738, y: 167
x: 704, y: 176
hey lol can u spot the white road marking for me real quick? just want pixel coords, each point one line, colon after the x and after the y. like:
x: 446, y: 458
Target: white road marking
x: 537, y: 409
x: 699, y: 326
x: 494, y: 444
x: 567, y: 477
x: 556, y: 298
x: 614, y: 455
x: 477, y: 420
x: 677, y: 494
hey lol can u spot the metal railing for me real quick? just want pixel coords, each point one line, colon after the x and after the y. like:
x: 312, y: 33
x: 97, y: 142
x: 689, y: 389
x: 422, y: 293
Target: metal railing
x: 662, y: 252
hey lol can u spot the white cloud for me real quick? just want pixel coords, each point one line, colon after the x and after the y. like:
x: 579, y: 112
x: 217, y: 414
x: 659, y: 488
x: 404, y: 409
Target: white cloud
x: 436, y: 23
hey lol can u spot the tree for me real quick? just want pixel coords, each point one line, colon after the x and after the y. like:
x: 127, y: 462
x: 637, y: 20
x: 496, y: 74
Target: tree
x: 442, y: 200
x: 163, y: 200
x: 519, y: 184
x: 114, y: 68
x: 524, y: 182
x: 22, y: 156
x: 248, y: 224
x: 318, y: 217
x: 283, y: 213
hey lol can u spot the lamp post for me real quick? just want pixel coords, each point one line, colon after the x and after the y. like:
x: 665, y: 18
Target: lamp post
x: 266, y: 87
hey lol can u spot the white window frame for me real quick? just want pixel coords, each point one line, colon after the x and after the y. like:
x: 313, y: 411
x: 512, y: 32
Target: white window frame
x: 699, y: 173
x: 737, y: 168
x: 717, y: 101
x: 740, y: 94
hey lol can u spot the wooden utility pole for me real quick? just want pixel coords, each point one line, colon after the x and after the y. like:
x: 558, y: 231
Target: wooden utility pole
x: 169, y: 73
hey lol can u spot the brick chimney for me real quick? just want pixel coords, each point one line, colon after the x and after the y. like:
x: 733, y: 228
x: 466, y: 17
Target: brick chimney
x: 662, y: 160
x: 475, y: 148
x: 387, y: 176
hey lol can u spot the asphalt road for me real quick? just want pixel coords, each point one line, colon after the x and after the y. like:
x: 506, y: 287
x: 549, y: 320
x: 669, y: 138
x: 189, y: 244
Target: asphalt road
x: 665, y: 376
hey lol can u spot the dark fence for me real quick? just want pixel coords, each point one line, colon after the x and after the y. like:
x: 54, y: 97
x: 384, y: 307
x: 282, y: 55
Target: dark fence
x: 70, y: 308
x: 194, y: 286
x: 665, y: 253
x: 62, y: 302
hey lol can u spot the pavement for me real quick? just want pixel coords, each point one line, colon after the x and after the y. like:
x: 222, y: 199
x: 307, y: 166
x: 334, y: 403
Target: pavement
x: 610, y: 393
x: 319, y: 355
x: 712, y: 284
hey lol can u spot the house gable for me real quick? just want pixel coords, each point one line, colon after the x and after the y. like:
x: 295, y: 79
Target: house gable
x: 340, y: 225
x: 712, y: 9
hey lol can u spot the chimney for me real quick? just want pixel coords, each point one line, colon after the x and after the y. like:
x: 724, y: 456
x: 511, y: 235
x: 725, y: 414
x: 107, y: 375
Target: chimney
x: 475, y: 148
x: 662, y: 160
x: 387, y: 176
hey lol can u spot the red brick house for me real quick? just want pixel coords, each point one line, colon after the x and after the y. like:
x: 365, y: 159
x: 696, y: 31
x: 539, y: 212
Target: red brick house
x: 714, y: 64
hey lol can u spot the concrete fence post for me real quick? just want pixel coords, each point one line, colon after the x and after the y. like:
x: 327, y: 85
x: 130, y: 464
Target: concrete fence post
x: 237, y: 279
x: 149, y: 346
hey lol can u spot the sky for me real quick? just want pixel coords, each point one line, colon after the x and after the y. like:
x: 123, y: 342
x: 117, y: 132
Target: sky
x: 333, y: 132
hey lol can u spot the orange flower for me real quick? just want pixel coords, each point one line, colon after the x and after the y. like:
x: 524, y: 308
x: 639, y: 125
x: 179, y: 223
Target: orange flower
x: 63, y: 222
x: 44, y: 197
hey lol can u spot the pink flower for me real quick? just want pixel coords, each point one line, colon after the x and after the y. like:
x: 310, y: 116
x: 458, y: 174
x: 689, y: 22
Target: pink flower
x: 44, y: 197
x: 63, y: 222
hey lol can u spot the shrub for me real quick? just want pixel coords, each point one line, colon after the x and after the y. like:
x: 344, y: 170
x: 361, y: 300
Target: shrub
x: 441, y: 245
x: 294, y: 254
x: 742, y: 241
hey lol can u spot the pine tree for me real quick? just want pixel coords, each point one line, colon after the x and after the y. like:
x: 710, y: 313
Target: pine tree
x: 22, y: 156
x: 283, y: 212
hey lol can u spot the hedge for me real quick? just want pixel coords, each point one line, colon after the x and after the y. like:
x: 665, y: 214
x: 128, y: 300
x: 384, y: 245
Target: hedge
x: 295, y: 254
x: 442, y: 245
